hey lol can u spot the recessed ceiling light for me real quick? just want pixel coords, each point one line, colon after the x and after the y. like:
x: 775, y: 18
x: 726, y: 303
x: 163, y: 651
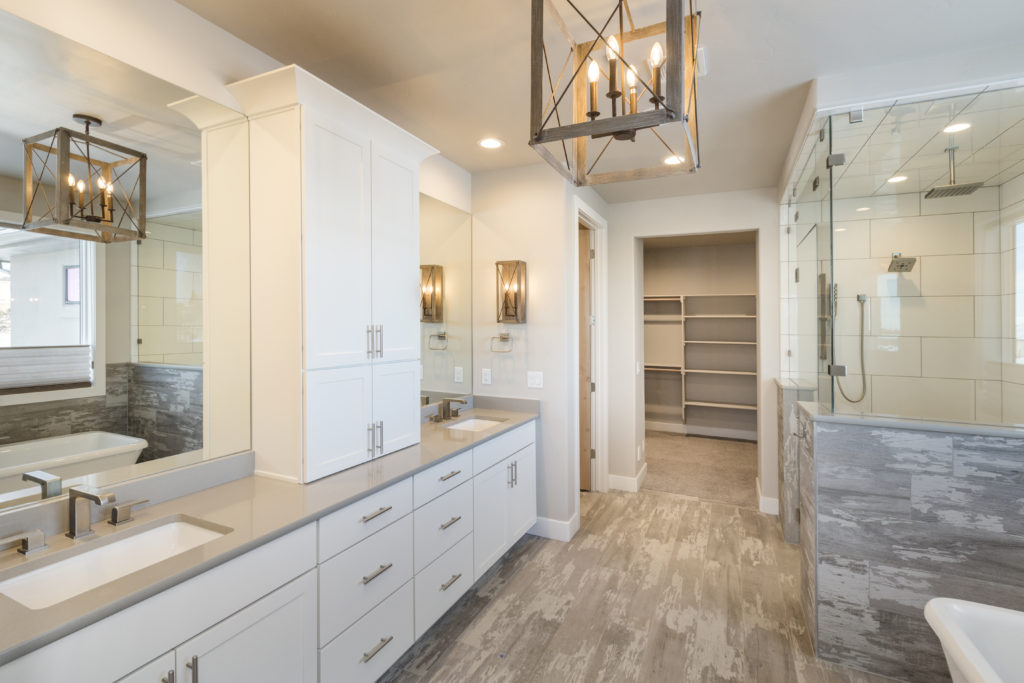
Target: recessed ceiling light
x: 897, y: 179
x: 491, y: 143
x: 956, y: 127
x: 864, y: 208
x: 674, y: 160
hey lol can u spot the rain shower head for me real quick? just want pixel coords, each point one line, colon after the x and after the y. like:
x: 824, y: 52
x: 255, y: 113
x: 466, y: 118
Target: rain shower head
x: 901, y: 264
x: 952, y: 190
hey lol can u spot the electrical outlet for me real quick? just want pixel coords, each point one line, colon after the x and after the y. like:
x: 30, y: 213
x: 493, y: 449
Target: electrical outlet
x: 534, y: 379
x: 458, y: 375
x: 485, y: 376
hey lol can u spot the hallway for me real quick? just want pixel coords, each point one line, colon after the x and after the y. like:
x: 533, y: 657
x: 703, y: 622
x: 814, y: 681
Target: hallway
x: 654, y: 587
x: 719, y: 470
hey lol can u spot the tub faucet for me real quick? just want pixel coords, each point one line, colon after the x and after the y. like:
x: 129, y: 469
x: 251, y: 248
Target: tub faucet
x: 80, y: 510
x: 50, y: 483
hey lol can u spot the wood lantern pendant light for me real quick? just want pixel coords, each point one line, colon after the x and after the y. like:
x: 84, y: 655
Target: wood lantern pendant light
x: 637, y: 100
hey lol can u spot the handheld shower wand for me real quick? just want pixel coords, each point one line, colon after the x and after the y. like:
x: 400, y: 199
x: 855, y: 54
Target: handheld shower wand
x: 861, y: 299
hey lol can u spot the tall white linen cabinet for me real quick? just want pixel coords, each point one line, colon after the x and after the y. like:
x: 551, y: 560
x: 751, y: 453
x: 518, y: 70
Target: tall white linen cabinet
x: 334, y: 277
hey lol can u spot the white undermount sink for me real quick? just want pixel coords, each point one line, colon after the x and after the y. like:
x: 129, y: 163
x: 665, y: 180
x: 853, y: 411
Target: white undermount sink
x: 116, y: 557
x: 982, y: 643
x: 474, y: 424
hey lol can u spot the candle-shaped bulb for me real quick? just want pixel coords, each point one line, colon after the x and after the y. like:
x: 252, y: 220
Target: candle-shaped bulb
x: 101, y: 183
x: 593, y: 72
x: 657, y: 55
x: 81, y: 186
x: 612, y: 49
x: 631, y: 76
x: 71, y: 179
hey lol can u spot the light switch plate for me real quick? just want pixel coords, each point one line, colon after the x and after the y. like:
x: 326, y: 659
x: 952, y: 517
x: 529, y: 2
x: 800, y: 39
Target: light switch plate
x: 534, y: 379
x: 485, y: 375
x: 458, y: 374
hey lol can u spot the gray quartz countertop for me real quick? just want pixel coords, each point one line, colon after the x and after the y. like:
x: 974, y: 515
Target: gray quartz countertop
x: 256, y: 509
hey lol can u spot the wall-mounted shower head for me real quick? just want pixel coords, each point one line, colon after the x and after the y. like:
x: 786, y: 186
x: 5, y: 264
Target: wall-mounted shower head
x: 901, y: 264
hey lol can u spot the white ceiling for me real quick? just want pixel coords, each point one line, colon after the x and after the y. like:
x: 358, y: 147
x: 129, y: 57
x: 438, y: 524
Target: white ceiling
x: 47, y: 78
x: 454, y: 71
x: 710, y: 239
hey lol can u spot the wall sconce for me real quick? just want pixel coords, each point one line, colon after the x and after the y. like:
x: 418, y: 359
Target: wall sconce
x: 511, y: 291
x: 431, y: 294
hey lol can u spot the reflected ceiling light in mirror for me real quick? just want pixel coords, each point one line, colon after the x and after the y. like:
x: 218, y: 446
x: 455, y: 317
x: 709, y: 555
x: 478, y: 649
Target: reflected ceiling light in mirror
x: 83, y: 187
x: 897, y: 179
x: 511, y: 291
x: 491, y: 143
x: 431, y: 294
x: 674, y: 160
x: 862, y: 209
x: 956, y: 127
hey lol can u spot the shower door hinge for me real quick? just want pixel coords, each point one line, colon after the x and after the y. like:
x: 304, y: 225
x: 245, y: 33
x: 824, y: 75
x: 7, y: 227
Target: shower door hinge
x: 796, y: 275
x: 835, y: 160
x: 857, y: 115
x: 836, y: 370
x: 821, y: 134
x: 817, y: 181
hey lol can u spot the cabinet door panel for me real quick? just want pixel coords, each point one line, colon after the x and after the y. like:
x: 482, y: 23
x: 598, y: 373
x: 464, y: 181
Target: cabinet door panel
x: 396, y: 273
x: 338, y: 407
x: 396, y: 404
x: 443, y: 582
x: 272, y: 640
x: 336, y: 244
x: 522, y: 501
x: 490, y: 500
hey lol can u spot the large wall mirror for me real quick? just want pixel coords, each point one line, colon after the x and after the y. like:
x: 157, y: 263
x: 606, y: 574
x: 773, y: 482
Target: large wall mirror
x: 446, y: 310
x: 101, y: 345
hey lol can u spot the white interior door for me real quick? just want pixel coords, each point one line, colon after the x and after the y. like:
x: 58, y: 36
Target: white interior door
x: 338, y: 413
x: 396, y: 405
x: 396, y: 273
x: 272, y: 640
x: 336, y: 244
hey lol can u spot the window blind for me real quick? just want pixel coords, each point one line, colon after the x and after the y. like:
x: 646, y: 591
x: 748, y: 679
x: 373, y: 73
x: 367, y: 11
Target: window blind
x: 43, y: 366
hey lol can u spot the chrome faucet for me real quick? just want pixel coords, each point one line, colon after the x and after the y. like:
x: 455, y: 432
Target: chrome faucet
x: 28, y: 541
x: 50, y: 483
x: 80, y: 510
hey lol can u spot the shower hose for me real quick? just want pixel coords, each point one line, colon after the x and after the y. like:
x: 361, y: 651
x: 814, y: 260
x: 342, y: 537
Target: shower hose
x: 863, y: 372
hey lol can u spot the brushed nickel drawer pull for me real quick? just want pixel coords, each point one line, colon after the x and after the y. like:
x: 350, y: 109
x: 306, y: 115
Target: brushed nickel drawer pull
x: 194, y: 665
x: 450, y: 475
x: 448, y: 584
x: 169, y: 678
x: 367, y: 656
x: 376, y: 514
x: 377, y: 572
x: 450, y: 522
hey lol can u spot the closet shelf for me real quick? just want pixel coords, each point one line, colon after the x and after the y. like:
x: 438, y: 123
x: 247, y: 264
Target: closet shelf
x: 663, y: 297
x: 721, y: 372
x: 663, y: 368
x: 720, y: 316
x: 654, y: 318
x: 731, y: 406
x: 705, y: 341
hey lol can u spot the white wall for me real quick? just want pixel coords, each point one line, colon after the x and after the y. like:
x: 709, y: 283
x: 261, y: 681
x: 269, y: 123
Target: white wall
x: 528, y: 214
x: 39, y: 316
x: 695, y: 214
x: 446, y: 181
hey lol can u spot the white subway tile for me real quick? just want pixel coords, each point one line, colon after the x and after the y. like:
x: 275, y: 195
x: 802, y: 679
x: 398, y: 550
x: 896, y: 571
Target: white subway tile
x: 961, y: 358
x: 1011, y: 192
x: 986, y: 232
x: 960, y: 275
x: 151, y: 253
x: 151, y: 310
x: 987, y: 316
x: 156, y: 282
x: 923, y: 397
x: 851, y: 239
x: 852, y: 385
x: 1013, y: 404
x: 181, y: 257
x: 988, y: 402
x: 168, y: 233
x: 928, y: 316
x: 923, y: 236
x: 872, y: 277
x: 899, y: 356
x: 886, y: 206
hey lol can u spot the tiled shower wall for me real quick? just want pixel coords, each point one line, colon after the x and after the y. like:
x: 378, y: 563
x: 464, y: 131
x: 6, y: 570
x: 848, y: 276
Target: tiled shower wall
x: 163, y: 405
x: 941, y: 340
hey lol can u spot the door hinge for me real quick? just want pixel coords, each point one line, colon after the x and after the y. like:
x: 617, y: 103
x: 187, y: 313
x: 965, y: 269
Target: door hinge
x: 796, y: 275
x: 821, y: 134
x: 798, y: 515
x: 593, y: 254
x: 835, y: 160
x: 593, y: 454
x: 837, y: 370
x: 593, y: 321
x: 593, y: 387
x: 815, y: 183
x: 857, y: 115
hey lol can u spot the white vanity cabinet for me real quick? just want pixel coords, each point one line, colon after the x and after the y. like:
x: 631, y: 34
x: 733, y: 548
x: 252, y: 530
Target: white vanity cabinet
x: 334, y: 254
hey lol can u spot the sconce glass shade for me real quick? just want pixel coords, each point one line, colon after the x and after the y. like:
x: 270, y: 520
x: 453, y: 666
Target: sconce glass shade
x: 79, y: 186
x: 431, y: 294
x: 511, y: 291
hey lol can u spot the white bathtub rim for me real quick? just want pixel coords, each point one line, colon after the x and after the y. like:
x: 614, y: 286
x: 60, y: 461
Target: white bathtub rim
x: 957, y: 645
x: 129, y: 443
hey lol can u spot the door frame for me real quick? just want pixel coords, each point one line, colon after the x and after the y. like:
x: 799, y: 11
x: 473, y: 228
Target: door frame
x: 584, y: 215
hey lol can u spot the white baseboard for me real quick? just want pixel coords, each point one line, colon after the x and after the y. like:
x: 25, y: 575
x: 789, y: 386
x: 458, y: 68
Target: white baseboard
x: 694, y: 430
x: 556, y: 529
x: 670, y: 427
x: 618, y: 482
x: 769, y: 506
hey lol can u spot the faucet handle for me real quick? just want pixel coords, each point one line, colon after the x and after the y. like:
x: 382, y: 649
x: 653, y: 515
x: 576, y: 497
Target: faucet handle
x: 119, y: 514
x: 30, y: 541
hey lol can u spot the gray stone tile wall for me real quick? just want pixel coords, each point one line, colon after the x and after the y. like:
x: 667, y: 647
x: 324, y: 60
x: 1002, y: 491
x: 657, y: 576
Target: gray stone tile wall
x: 905, y: 515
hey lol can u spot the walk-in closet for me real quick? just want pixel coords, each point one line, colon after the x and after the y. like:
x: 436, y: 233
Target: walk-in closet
x: 700, y: 335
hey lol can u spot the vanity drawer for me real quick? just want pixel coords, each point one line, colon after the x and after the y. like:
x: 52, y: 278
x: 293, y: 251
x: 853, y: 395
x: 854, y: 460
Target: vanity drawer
x: 353, y: 523
x: 442, y: 583
x: 441, y: 523
x: 352, y: 583
x: 442, y: 477
x: 500, y: 447
x: 372, y: 644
